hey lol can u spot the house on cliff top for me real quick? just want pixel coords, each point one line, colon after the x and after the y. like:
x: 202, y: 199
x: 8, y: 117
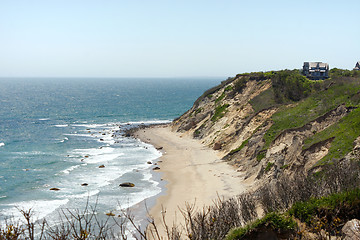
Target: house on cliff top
x: 316, y: 70
x: 357, y: 66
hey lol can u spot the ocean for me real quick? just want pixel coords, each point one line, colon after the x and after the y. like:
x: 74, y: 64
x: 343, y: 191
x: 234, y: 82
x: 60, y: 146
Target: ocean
x: 57, y: 132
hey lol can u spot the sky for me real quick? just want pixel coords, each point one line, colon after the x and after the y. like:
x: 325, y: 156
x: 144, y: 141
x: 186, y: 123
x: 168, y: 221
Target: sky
x: 164, y: 38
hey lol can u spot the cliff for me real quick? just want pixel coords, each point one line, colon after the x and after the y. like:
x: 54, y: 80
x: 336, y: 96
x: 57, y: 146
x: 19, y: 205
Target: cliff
x: 277, y: 123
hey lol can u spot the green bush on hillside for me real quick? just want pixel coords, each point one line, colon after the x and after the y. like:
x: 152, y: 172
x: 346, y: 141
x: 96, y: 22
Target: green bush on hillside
x: 343, y: 91
x: 240, y: 84
x: 219, y: 112
x: 290, y: 85
x: 336, y: 72
x: 274, y: 221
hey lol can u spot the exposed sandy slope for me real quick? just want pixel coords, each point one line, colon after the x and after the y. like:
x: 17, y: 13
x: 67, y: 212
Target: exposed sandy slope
x: 193, y: 171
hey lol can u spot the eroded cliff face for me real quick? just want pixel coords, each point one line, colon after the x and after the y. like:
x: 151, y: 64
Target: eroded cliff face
x: 226, y: 121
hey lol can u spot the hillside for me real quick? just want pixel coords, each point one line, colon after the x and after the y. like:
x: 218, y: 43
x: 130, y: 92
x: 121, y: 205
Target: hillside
x: 295, y: 139
x: 278, y: 122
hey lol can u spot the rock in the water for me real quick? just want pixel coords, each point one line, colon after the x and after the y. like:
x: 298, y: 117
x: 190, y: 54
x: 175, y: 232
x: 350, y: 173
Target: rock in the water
x: 54, y: 189
x: 351, y: 230
x: 217, y: 146
x: 84, y: 184
x: 156, y: 168
x: 110, y: 214
x: 101, y: 139
x: 101, y: 166
x: 149, y: 162
x: 127, y: 184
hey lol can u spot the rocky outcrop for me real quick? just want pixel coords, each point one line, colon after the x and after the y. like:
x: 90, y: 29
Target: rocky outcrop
x: 351, y: 230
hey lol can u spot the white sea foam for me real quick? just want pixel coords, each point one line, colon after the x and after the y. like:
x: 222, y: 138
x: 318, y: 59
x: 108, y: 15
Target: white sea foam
x: 77, y: 134
x: 104, y: 158
x: 125, y: 159
x: 68, y: 170
x: 108, y: 125
x: 61, y: 125
x: 40, y: 208
x: 2, y: 144
x: 30, y: 153
x: 86, y: 194
x: 94, y: 151
x: 65, y: 139
x: 44, y: 119
x: 134, y: 198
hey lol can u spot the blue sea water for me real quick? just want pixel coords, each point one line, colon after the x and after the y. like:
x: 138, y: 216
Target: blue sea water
x: 57, y: 132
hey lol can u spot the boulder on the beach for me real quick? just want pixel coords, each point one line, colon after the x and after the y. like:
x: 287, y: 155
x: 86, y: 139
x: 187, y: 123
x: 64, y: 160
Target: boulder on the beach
x: 217, y: 146
x: 84, y: 184
x: 127, y: 184
x: 156, y: 168
x: 54, y: 189
x: 101, y: 166
x: 159, y: 148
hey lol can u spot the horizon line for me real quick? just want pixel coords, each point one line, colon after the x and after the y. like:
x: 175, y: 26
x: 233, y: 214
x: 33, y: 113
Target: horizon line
x: 112, y: 77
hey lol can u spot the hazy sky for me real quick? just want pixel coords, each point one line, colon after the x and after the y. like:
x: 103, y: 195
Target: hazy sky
x: 159, y: 38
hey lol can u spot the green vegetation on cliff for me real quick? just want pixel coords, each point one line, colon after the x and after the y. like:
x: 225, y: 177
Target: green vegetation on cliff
x: 344, y: 134
x: 343, y: 91
x: 326, y: 214
x: 219, y: 112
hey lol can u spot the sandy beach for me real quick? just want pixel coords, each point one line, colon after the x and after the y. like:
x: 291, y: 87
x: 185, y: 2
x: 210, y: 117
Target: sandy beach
x: 194, y: 173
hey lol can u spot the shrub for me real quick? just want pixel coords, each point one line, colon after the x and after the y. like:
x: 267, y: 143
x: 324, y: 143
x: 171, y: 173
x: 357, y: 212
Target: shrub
x: 221, y: 97
x: 219, y: 112
x: 274, y: 221
x: 243, y: 144
x: 240, y: 84
x: 290, y: 85
x: 261, y: 155
x: 228, y: 88
x: 268, y: 166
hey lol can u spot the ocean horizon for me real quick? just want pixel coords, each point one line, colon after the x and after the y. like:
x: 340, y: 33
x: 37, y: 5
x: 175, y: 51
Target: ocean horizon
x: 67, y: 133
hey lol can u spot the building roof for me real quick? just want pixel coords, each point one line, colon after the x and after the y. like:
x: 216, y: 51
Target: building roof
x: 357, y: 66
x: 317, y: 65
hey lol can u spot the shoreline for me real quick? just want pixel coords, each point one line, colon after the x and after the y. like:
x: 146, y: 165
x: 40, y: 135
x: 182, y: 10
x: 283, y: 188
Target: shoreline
x: 193, y: 174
